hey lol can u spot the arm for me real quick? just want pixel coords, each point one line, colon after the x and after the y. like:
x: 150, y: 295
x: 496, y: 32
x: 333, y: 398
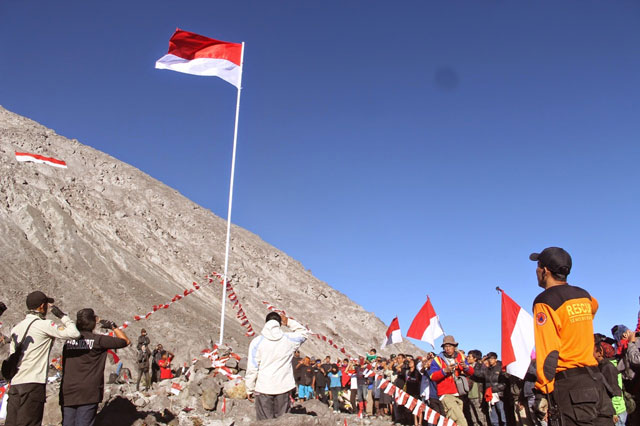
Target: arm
x: 51, y: 329
x: 436, y: 373
x: 120, y: 335
x: 253, y: 364
x: 547, y: 346
x: 299, y: 333
x: 610, y: 374
x: 632, y: 355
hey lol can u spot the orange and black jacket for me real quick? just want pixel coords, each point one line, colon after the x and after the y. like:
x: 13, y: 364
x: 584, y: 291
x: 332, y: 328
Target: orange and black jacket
x: 563, y: 318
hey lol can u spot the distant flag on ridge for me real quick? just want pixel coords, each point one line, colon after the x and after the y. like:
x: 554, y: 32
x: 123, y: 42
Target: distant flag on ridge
x: 192, y: 53
x: 426, y: 325
x: 37, y: 158
x: 393, y: 335
x: 518, y: 339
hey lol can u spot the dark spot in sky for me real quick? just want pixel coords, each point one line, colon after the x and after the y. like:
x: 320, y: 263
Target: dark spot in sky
x: 447, y: 79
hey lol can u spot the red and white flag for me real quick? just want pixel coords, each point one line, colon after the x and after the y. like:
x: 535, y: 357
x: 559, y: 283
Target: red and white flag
x: 37, y: 158
x: 426, y: 325
x: 518, y: 339
x: 393, y: 335
x: 192, y: 53
x: 175, y: 388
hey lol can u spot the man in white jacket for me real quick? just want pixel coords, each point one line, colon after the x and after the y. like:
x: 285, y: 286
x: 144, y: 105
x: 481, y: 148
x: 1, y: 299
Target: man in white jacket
x: 269, y: 370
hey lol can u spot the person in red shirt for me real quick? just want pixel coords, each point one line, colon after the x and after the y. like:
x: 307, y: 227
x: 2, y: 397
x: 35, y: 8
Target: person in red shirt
x: 165, y: 366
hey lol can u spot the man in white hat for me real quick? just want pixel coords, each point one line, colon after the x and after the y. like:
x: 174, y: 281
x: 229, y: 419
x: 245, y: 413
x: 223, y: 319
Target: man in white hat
x: 449, y: 370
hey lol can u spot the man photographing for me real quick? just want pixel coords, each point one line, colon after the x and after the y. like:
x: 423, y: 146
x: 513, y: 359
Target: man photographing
x: 566, y: 368
x: 27, y: 393
x: 83, y: 363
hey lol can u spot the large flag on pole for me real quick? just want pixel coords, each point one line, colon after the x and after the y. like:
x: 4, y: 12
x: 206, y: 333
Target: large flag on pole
x: 199, y: 55
x: 426, y: 325
x: 393, y: 335
x: 192, y: 53
x: 518, y: 339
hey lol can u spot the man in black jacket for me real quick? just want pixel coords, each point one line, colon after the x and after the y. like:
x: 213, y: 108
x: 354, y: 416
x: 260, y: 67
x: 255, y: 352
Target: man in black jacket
x: 143, y: 367
x: 143, y: 339
x: 495, y: 384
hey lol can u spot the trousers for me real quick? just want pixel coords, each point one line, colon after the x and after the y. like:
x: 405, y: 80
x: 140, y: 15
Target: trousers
x: 453, y: 409
x: 582, y: 400
x: 25, y: 405
x: 272, y: 406
x: 79, y: 415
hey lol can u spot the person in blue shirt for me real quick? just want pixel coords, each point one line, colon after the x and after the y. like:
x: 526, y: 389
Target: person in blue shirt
x: 335, y: 384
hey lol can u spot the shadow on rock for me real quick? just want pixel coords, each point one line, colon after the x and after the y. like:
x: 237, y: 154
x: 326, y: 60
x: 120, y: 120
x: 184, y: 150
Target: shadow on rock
x: 121, y: 411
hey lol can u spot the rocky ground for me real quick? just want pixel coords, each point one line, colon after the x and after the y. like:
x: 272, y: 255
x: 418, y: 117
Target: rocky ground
x: 205, y: 398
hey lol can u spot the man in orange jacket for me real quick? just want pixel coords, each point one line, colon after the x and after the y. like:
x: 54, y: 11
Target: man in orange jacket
x: 563, y: 318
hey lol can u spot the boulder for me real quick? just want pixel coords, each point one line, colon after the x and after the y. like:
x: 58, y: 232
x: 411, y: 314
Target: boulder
x: 209, y: 399
x: 242, y: 364
x: 235, y: 389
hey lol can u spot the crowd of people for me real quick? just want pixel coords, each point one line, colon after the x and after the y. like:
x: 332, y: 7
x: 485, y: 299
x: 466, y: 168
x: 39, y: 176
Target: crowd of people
x: 576, y: 378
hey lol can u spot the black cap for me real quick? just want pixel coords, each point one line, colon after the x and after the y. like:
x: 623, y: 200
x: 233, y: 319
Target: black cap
x: 36, y: 299
x: 554, y: 259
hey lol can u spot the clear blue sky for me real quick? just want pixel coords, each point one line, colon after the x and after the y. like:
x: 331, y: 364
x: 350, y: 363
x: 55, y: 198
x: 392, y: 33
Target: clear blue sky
x: 397, y: 149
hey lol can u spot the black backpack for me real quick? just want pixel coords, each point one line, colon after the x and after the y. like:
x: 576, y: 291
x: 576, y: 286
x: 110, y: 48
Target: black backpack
x: 11, y: 364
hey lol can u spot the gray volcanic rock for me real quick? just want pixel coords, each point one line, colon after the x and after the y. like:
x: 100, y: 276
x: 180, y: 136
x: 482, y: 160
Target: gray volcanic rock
x: 102, y: 234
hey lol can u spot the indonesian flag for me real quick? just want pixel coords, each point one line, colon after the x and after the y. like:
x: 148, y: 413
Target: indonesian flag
x: 518, y: 340
x: 192, y: 53
x: 175, y: 388
x: 426, y: 325
x: 37, y: 158
x: 393, y: 335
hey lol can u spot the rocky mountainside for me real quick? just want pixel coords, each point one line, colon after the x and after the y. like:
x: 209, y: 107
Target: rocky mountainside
x: 103, y: 234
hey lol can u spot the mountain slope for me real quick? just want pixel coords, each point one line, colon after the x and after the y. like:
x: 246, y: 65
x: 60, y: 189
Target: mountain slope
x: 103, y: 234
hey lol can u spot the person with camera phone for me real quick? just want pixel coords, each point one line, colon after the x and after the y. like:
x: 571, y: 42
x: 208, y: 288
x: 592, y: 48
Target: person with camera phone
x: 26, y: 367
x: 83, y: 362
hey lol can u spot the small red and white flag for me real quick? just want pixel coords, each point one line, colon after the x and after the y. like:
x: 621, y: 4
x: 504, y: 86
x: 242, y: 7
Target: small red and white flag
x: 426, y: 325
x: 192, y: 53
x: 518, y: 341
x: 37, y: 158
x: 176, y: 388
x: 393, y: 335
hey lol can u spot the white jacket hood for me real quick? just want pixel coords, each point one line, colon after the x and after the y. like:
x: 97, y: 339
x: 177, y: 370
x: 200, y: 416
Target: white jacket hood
x: 272, y: 330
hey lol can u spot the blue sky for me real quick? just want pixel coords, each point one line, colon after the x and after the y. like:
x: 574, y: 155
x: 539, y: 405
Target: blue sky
x: 397, y: 149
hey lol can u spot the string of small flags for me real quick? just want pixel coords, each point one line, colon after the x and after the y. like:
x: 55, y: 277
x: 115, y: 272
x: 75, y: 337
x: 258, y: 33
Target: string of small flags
x: 231, y: 294
x: 324, y: 338
x: 416, y: 406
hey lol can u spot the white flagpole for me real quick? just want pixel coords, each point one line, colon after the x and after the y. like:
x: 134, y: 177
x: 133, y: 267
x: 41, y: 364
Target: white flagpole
x: 233, y: 170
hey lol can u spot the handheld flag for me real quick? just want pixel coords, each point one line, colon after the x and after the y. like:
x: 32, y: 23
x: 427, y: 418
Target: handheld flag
x: 192, y: 53
x: 518, y: 339
x: 426, y: 325
x: 393, y: 335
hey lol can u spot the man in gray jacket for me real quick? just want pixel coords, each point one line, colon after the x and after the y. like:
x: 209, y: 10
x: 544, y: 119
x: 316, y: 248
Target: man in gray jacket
x: 269, y: 370
x: 27, y: 393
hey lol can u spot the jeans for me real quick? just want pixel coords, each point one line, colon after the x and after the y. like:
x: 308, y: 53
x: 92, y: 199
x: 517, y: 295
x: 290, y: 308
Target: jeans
x: 622, y: 419
x: 79, y: 415
x: 494, y: 411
